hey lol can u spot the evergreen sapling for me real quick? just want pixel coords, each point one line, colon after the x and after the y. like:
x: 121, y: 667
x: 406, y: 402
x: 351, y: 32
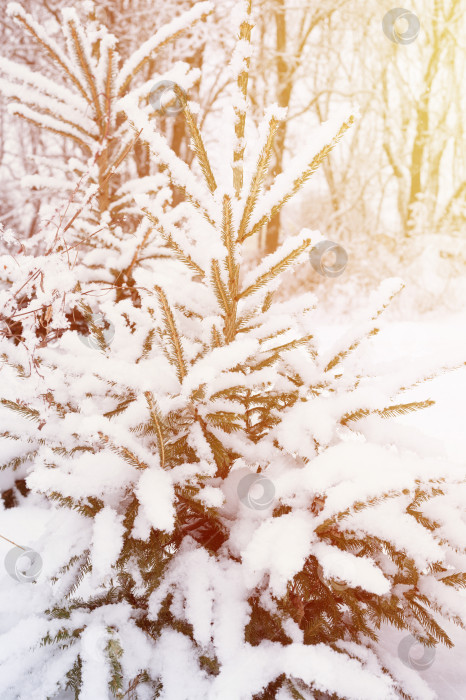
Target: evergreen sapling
x: 166, y: 572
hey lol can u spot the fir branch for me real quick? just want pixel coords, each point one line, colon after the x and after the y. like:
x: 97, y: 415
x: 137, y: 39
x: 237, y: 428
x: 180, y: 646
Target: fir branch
x: 404, y: 408
x: 122, y: 406
x: 356, y: 415
x: 275, y: 353
x: 122, y: 155
x: 18, y: 461
x: 388, y: 412
x: 327, y: 526
x: 276, y: 269
x: 156, y: 423
x: 301, y: 180
x: 95, y: 330
x: 168, y: 33
x: 455, y: 580
x: 173, y: 245
x: 147, y: 345
x: 82, y: 566
x: 232, y: 269
x: 221, y: 455
x: 296, y: 695
x: 226, y: 420
x: 215, y: 338
x: 172, y: 332
x: 29, y: 413
x: 198, y: 143
x: 114, y: 652
x: 129, y: 457
x: 36, y: 30
x: 356, y: 343
x: 267, y: 302
x: 291, y: 345
x: 74, y: 676
x: 139, y: 249
x: 421, y: 519
x: 180, y: 175
x: 227, y: 239
x: 219, y: 288
x: 182, y: 256
x: 109, y: 80
x: 33, y: 101
x: 240, y: 123
x: 258, y: 179
x: 80, y: 53
x: 426, y: 620
x: 344, y: 353
x: 53, y: 130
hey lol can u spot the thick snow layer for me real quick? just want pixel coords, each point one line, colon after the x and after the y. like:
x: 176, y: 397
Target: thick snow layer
x: 155, y: 494
x: 443, y: 427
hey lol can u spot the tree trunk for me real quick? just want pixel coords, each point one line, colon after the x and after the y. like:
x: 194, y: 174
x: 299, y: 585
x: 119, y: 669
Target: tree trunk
x: 284, y: 88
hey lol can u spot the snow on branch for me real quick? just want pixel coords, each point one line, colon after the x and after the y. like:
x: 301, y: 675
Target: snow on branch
x: 169, y: 31
x: 290, y: 252
x: 299, y: 170
x: 51, y: 47
x: 179, y: 170
x: 37, y: 80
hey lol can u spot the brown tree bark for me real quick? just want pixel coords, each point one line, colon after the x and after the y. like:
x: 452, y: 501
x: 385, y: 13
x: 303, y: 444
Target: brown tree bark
x: 284, y: 89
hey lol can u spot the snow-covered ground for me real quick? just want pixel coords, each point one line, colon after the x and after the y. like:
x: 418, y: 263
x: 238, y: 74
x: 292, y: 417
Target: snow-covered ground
x: 445, y: 421
x: 442, y: 340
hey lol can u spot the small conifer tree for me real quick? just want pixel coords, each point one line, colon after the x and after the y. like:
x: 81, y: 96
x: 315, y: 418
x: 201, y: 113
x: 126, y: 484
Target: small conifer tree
x: 80, y: 102
x: 165, y: 573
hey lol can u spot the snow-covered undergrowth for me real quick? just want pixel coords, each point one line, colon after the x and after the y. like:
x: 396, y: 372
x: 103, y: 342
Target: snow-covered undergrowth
x: 224, y: 507
x: 431, y: 266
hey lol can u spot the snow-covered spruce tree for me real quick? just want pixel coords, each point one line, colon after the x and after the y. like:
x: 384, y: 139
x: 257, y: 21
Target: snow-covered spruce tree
x: 164, y: 574
x: 79, y: 101
x: 93, y: 229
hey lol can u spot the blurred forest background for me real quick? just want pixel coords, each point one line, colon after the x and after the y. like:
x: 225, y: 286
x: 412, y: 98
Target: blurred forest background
x: 392, y: 193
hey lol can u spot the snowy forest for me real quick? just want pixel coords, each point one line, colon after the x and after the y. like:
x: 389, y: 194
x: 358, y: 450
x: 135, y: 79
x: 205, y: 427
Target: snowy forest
x: 233, y: 350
